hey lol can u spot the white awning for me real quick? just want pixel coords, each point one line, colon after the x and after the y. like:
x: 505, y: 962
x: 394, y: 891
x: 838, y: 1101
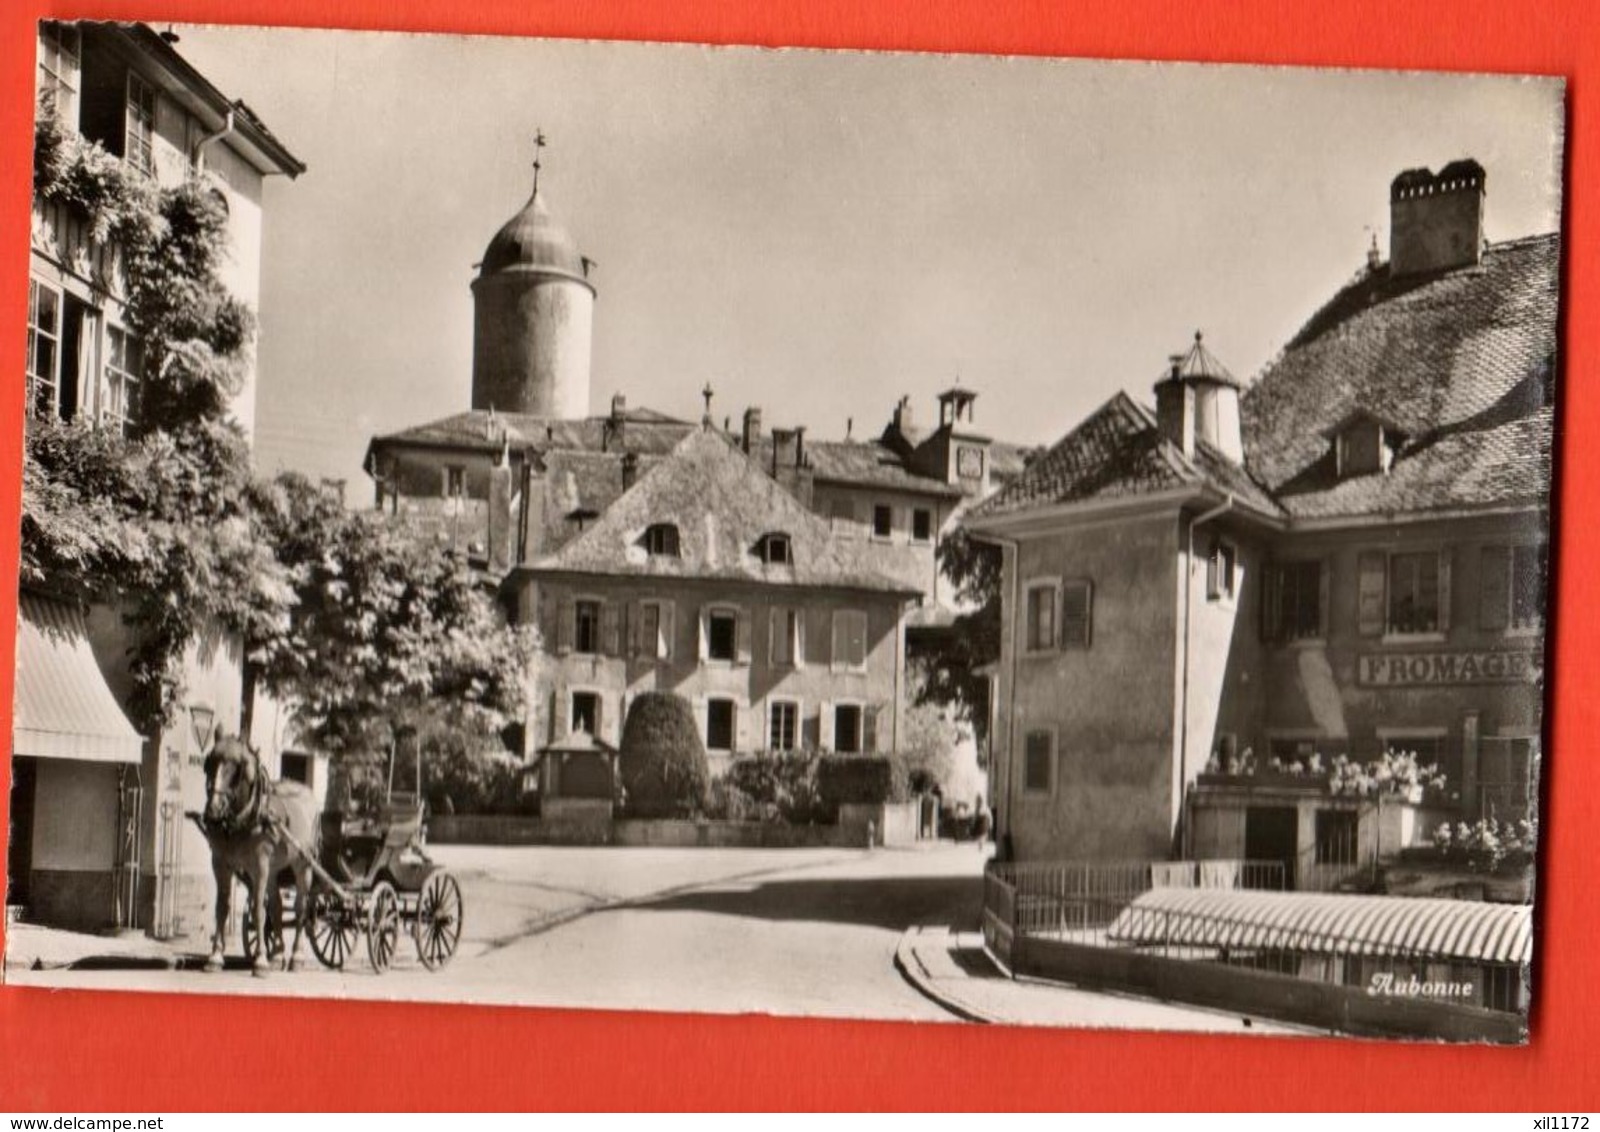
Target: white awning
x: 64, y: 709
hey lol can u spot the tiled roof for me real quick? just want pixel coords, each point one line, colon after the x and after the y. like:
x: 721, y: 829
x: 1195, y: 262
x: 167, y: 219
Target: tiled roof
x: 870, y: 462
x: 644, y: 431
x: 1118, y: 452
x: 1458, y: 361
x: 722, y: 503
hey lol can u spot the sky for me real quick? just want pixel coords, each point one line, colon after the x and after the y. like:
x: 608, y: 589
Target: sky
x: 820, y: 233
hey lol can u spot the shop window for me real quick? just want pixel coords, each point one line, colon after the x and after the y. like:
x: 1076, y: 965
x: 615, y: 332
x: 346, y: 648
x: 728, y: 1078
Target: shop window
x: 1038, y: 762
x: 719, y: 725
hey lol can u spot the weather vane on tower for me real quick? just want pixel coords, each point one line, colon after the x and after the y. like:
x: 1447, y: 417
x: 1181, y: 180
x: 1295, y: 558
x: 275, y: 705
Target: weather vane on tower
x: 538, y: 145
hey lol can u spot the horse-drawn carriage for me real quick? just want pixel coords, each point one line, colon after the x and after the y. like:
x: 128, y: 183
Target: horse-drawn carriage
x: 364, y: 875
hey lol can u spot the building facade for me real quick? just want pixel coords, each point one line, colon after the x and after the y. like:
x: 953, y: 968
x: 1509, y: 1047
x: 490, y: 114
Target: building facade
x: 528, y: 471
x: 1345, y: 558
x: 103, y: 844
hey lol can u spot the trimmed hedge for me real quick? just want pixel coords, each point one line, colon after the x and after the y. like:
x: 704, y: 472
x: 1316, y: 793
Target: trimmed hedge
x: 860, y: 779
x: 662, y: 760
x: 773, y: 786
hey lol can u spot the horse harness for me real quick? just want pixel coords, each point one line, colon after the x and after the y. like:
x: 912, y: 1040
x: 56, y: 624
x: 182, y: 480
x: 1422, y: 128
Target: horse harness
x: 254, y: 814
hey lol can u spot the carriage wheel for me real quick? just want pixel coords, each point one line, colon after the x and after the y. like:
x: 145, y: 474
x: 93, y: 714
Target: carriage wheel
x: 383, y: 926
x: 332, y: 929
x: 251, y: 938
x: 437, y: 926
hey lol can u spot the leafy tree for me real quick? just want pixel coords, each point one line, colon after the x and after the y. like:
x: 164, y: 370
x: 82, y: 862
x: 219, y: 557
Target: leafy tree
x: 662, y: 760
x: 949, y: 661
x: 928, y: 737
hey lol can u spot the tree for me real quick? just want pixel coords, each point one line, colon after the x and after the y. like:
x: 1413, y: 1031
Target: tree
x: 928, y: 737
x: 662, y: 761
x: 383, y: 632
x: 949, y: 660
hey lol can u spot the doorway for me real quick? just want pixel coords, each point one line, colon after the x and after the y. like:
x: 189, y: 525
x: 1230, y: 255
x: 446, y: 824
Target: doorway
x: 1272, y: 833
x: 19, y: 856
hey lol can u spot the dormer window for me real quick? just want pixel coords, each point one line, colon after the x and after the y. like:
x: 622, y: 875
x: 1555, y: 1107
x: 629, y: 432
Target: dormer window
x: 661, y: 540
x: 1363, y: 444
x: 776, y: 549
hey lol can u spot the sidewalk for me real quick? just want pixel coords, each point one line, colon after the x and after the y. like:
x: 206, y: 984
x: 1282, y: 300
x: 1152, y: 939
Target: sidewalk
x: 953, y: 970
x: 30, y: 947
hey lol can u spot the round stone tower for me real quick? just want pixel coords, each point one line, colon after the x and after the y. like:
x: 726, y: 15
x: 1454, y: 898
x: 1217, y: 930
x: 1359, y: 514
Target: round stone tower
x: 533, y: 319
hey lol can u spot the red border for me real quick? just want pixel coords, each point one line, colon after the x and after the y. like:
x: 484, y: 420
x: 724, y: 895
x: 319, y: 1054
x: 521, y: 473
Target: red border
x: 138, y: 1052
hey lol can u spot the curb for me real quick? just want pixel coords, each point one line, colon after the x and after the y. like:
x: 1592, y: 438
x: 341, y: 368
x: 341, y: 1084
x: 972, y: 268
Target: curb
x: 911, y: 968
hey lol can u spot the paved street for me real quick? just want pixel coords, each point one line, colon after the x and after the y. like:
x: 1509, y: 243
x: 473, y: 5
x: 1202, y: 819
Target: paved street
x: 808, y: 932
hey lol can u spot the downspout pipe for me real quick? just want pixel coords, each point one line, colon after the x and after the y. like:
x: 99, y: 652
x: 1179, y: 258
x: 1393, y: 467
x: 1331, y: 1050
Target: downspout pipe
x: 1183, y: 709
x: 197, y: 156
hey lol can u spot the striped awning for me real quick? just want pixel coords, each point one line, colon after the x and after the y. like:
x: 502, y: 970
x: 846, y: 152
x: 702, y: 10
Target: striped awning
x: 1329, y: 923
x: 64, y: 709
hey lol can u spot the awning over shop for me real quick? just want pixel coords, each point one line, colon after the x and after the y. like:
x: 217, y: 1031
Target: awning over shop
x: 1329, y: 923
x: 64, y: 709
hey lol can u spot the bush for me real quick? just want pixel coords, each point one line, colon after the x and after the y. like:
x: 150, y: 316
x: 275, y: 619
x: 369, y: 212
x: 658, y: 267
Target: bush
x: 865, y: 779
x: 776, y: 786
x: 663, y: 762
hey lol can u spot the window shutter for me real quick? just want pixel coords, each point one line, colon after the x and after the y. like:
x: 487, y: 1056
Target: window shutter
x: 610, y: 632
x: 622, y: 719
x: 1373, y: 570
x: 825, y: 725
x: 869, y: 729
x: 1077, y: 614
x: 810, y: 731
x: 663, y: 645
x: 743, y: 717
x: 705, y: 632
x: 566, y: 626
x: 1324, y: 592
x: 835, y: 649
x: 600, y: 720
x: 799, y: 638
x: 635, y: 624
x: 742, y: 648
x: 1445, y: 557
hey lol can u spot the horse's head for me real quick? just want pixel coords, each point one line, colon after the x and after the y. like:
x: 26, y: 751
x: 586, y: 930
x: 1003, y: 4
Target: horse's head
x: 232, y: 774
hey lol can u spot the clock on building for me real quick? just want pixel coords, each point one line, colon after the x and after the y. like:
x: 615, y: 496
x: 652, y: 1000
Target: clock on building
x: 969, y: 463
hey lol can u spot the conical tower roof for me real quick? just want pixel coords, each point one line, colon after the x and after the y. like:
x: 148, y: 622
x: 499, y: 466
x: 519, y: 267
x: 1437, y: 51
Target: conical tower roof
x: 533, y: 240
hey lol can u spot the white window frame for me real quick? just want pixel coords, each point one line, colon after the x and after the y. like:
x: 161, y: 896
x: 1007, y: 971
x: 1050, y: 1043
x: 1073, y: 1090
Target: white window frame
x: 798, y: 707
x: 1536, y: 628
x: 1390, y: 633
x: 861, y: 725
x: 599, y: 708
x: 139, y: 125
x: 1022, y: 768
x: 732, y: 612
x: 61, y: 67
x: 665, y: 615
x: 120, y: 378
x: 34, y: 378
x: 843, y: 664
x: 1053, y: 586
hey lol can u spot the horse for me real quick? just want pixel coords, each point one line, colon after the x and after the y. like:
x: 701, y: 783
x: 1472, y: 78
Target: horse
x: 256, y: 828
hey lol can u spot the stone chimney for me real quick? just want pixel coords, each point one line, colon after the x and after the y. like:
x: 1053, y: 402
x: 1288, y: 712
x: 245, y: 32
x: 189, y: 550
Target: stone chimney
x: 904, y: 419
x: 1436, y: 220
x: 752, y: 428
x: 789, y: 466
x: 1175, y: 408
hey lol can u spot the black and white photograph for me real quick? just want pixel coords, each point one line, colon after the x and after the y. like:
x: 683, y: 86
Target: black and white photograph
x: 718, y: 530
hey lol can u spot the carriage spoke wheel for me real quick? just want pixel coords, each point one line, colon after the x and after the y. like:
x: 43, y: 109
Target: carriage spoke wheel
x: 383, y: 926
x: 332, y: 929
x: 437, y: 927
